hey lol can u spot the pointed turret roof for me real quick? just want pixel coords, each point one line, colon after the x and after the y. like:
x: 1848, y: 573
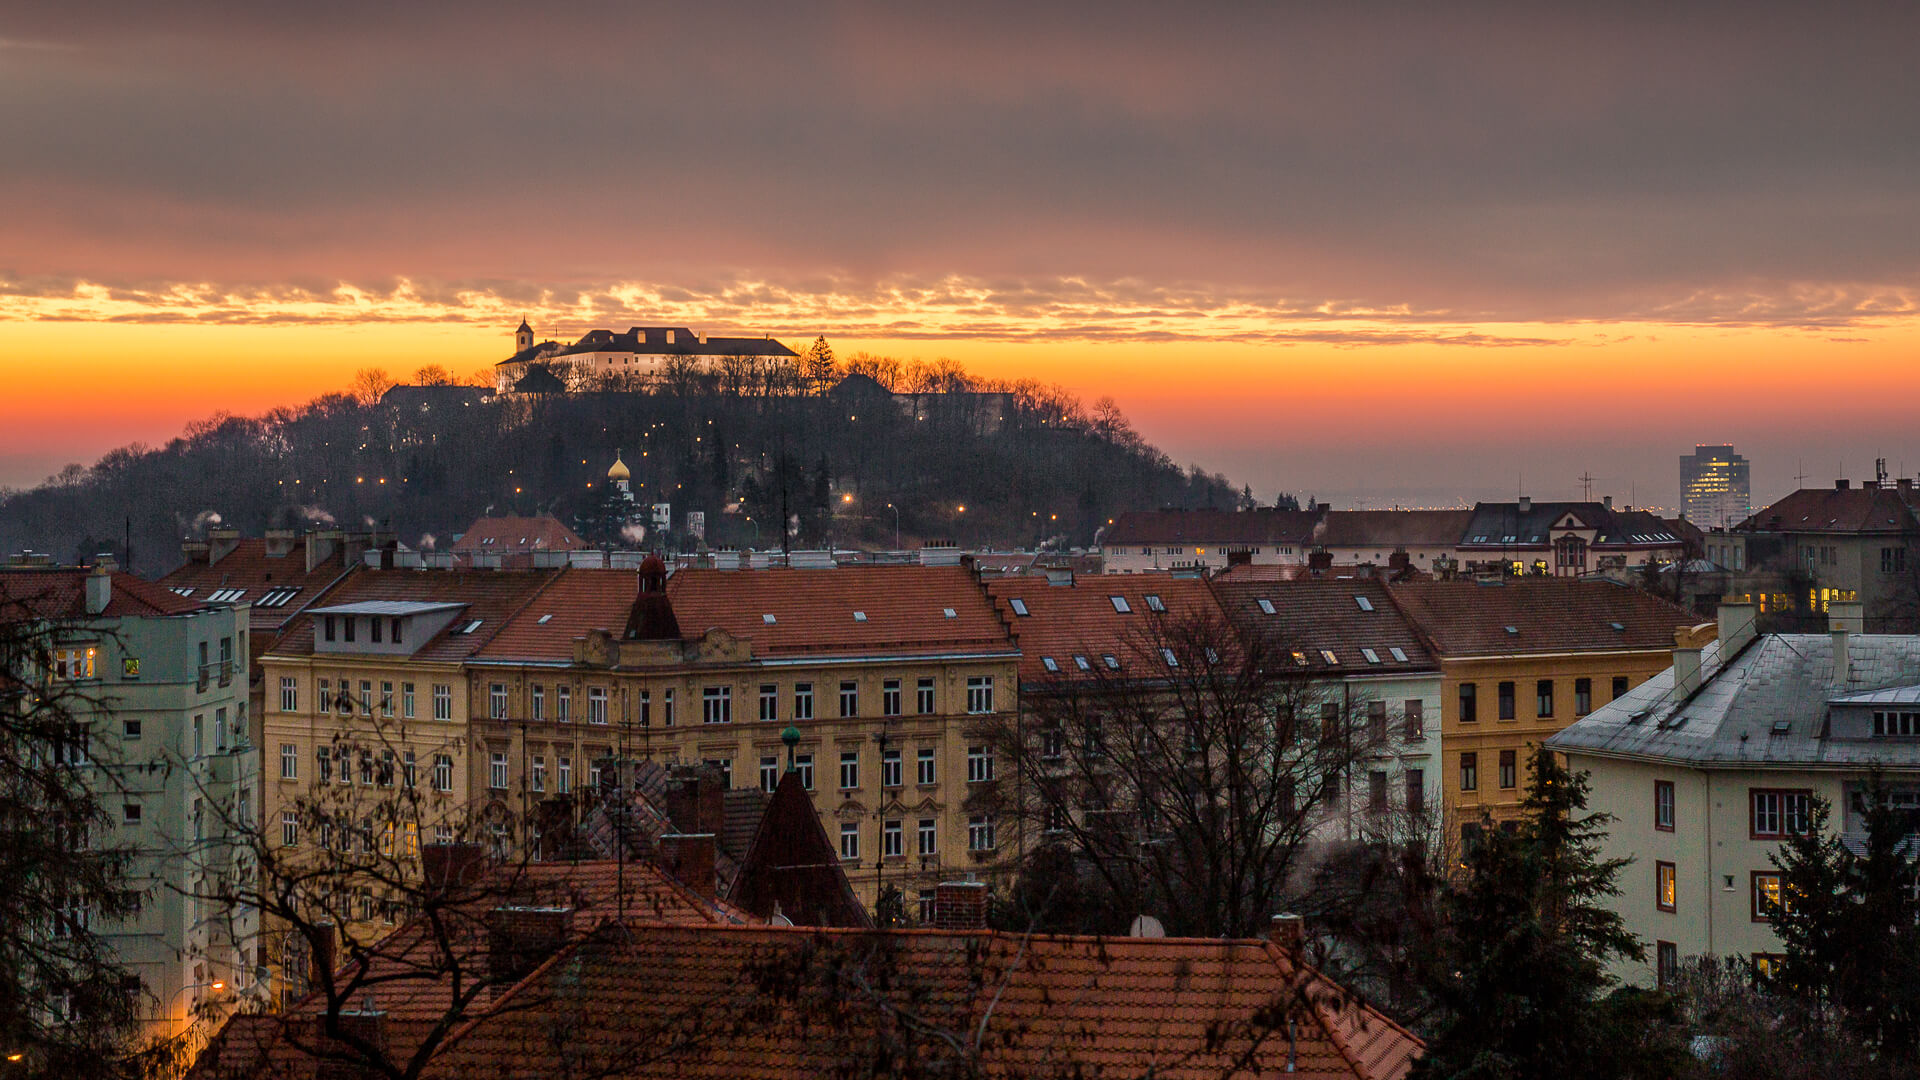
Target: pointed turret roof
x: 524, y: 328
x: 793, y: 868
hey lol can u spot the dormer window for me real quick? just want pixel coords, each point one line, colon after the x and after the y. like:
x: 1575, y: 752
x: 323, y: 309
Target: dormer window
x: 1896, y: 724
x: 326, y: 628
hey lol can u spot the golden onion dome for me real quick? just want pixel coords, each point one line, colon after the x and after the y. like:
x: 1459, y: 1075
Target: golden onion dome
x: 619, y: 471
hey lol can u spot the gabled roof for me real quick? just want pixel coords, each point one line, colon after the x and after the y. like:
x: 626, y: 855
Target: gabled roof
x: 652, y: 340
x: 792, y: 868
x: 1497, y: 525
x: 1202, y: 527
x: 512, y: 534
x: 1545, y: 614
x: 1076, y: 627
x: 846, y: 611
x: 1020, y: 1005
x: 577, y: 602
x: 272, y: 578
x: 1309, y: 619
x: 1837, y: 510
x: 62, y: 594
x: 490, y: 597
x: 539, y: 379
x: 1765, y: 706
x: 1392, y: 528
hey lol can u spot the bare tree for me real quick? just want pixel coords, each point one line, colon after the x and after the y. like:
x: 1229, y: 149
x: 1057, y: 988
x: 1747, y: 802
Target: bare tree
x: 369, y: 383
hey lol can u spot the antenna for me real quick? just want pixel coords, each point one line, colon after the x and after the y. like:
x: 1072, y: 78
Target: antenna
x: 1800, y: 478
x: 1586, y: 486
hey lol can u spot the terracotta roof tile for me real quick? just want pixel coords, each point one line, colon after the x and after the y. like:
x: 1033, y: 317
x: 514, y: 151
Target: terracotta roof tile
x: 1304, y: 620
x: 577, y: 602
x: 1465, y: 618
x: 1077, y: 626
x: 277, y: 586
x: 491, y: 596
x: 847, y: 611
x: 517, y: 535
x: 62, y: 594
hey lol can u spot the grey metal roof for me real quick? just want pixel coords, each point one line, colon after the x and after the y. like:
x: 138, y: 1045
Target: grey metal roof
x: 1768, y: 706
x: 386, y: 607
x: 1893, y: 695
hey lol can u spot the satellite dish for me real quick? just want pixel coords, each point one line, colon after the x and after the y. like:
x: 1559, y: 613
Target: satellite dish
x: 779, y: 920
x: 1146, y: 926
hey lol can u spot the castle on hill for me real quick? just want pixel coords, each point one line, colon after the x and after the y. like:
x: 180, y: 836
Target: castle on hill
x: 640, y: 352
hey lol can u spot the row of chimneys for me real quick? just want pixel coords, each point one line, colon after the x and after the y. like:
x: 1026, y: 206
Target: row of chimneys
x: 1738, y: 626
x: 1902, y: 483
x: 321, y: 545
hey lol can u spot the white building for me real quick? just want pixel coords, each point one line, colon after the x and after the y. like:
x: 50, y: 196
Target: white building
x: 641, y: 352
x: 1708, y: 766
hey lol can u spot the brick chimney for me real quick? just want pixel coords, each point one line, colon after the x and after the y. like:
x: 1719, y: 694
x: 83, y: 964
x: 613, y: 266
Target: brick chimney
x: 279, y: 542
x: 451, y: 865
x: 520, y: 939
x: 960, y: 905
x: 337, y: 1058
x: 696, y: 801
x: 689, y: 858
x: 1319, y: 562
x: 99, y: 590
x: 194, y: 551
x: 1288, y: 931
x: 322, y: 545
x: 221, y: 543
x: 321, y: 964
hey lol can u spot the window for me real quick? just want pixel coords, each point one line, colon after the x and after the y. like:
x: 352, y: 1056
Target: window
x: 1663, y: 805
x: 980, y: 832
x: 1019, y: 607
x: 346, y: 627
x: 366, y: 697
x: 923, y: 766
x: 803, y: 701
x: 923, y: 697
x: 1415, y: 720
x: 1120, y: 605
x: 199, y: 724
x: 1377, y: 723
x: 849, y: 769
x: 395, y: 636
x: 539, y: 699
x: 406, y: 701
x: 1765, y: 894
x: 442, y: 772
x: 979, y: 694
x: 386, y: 699
x: 1893, y: 560
x: 1666, y: 961
x: 323, y: 764
x: 890, y: 768
x: 289, y: 828
x: 539, y: 772
x: 374, y: 626
x: 1469, y: 703
x: 366, y: 768
x: 1778, y: 813
x: 563, y: 704
x: 769, y: 772
x: 929, y: 837
x: 1582, y: 696
x: 1053, y: 742
x: 130, y: 729
x: 892, y: 838
x: 1469, y: 772
x: 979, y: 764
x: 442, y: 701
x: 327, y: 628
x: 289, y: 694
x: 716, y: 705
x: 497, y: 771
x: 1896, y: 723
x: 769, y: 702
x: 130, y: 814
x: 1377, y: 791
x: 1506, y: 701
x: 408, y: 773
x: 1767, y: 965
x: 803, y: 764
x: 1666, y: 886
x: 1416, y: 791
x: 890, y: 697
x: 563, y: 776
x: 289, y: 761
x: 1619, y: 686
x: 343, y: 702
x: 849, y: 840
x: 1509, y: 770
x: 1543, y: 698
x: 849, y: 699
x: 596, y: 704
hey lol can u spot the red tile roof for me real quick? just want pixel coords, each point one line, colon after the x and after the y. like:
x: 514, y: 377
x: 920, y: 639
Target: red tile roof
x: 1314, y: 617
x: 491, y: 596
x: 1849, y: 510
x: 577, y: 602
x: 1068, y: 623
x: 1229, y: 527
x: 764, y: 1002
x: 1465, y: 618
x: 277, y: 586
x: 62, y: 594
x: 814, y: 611
x: 518, y: 535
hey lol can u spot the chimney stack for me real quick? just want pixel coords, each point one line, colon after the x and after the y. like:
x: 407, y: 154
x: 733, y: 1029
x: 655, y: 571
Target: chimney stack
x: 1848, y: 615
x: 221, y: 543
x: 960, y: 905
x: 696, y: 801
x: 1288, y: 931
x: 520, y: 939
x: 1737, y: 627
x: 1843, y: 621
x: 1842, y: 485
x: 279, y: 542
x: 99, y: 590
x: 1686, y: 664
x: 689, y: 858
x: 321, y: 546
x: 321, y: 964
x: 447, y: 866
x: 1526, y: 504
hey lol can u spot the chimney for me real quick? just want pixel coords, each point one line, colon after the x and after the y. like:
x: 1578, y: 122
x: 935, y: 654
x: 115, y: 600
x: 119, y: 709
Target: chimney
x: 104, y: 560
x: 194, y: 551
x: 1606, y: 501
x: 1904, y: 484
x: 1526, y: 504
x: 1060, y: 576
x: 321, y: 964
x: 1846, y: 615
x: 279, y: 542
x: 1843, y: 621
x: 1399, y: 561
x: 338, y: 1059
x: 1319, y: 562
x: 321, y: 547
x: 520, y: 939
x: 703, y: 337
x: 689, y: 857
x: 1870, y: 485
x: 99, y: 590
x: 451, y: 865
x: 355, y: 545
x: 221, y: 543
x: 1737, y: 627
x: 1841, y: 664
x: 1686, y: 664
x: 1289, y: 932
x: 696, y: 800
x: 1842, y: 485
x: 960, y: 905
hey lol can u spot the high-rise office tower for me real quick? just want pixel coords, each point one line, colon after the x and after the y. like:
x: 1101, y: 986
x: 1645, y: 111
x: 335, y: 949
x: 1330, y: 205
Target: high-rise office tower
x: 1714, y: 489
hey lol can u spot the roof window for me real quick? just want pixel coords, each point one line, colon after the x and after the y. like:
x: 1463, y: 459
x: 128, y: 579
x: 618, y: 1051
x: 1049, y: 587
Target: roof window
x: 186, y: 590
x: 225, y: 596
x: 1048, y: 663
x: 1081, y: 663
x: 1167, y: 655
x: 470, y: 627
x: 1365, y: 604
x: 1112, y: 661
x: 1513, y: 631
x: 1266, y: 605
x: 769, y: 619
x: 1120, y: 605
x: 859, y: 616
x: 1398, y: 653
x: 276, y: 597
x: 1327, y: 655
x: 1299, y: 658
x: 1019, y: 607
x: 545, y: 619
x: 1372, y: 657
x: 1154, y: 603
x: 950, y: 613
x: 1619, y: 627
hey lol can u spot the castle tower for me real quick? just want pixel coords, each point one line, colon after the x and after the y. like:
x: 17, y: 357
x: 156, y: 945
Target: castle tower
x: 619, y: 476
x: 522, y: 338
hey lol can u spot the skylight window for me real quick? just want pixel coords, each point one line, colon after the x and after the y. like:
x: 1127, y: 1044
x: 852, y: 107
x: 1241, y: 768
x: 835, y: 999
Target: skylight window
x: 1048, y: 663
x: 1398, y: 653
x: 1154, y: 603
x: 1266, y: 606
x: 1120, y: 605
x: 185, y: 591
x: 1019, y: 607
x: 1618, y: 627
x: 225, y: 596
x: 470, y: 627
x: 950, y: 613
x: 1327, y: 655
x: 277, y: 597
x: 1212, y: 657
x: 1513, y: 631
x: 769, y: 619
x: 1112, y: 661
x: 1365, y: 604
x: 1081, y: 663
x: 1372, y: 657
x: 859, y: 616
x: 1299, y: 658
x: 545, y: 619
x: 1167, y: 655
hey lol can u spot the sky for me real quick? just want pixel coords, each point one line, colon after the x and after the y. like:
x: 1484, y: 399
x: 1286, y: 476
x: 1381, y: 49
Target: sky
x: 1382, y: 255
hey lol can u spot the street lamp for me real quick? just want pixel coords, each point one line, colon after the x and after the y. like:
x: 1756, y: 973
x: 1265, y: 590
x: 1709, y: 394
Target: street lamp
x: 896, y: 525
